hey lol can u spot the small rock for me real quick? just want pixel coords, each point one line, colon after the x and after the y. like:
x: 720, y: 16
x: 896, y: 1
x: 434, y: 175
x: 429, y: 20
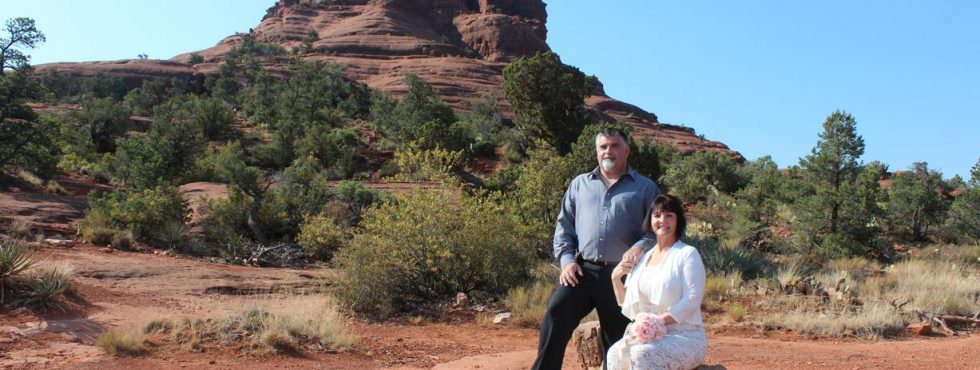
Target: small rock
x: 501, y: 318
x: 461, y: 299
x: 920, y: 329
x: 106, y: 250
x: 212, y: 362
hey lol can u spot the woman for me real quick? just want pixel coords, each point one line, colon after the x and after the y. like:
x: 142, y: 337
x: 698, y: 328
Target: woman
x: 668, y: 282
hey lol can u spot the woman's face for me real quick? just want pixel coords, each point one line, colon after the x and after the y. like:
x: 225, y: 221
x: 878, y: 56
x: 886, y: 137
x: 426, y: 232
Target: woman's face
x: 664, y: 224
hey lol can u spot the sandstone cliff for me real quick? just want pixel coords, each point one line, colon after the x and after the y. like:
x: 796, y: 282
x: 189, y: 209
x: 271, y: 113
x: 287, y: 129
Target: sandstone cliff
x: 459, y: 46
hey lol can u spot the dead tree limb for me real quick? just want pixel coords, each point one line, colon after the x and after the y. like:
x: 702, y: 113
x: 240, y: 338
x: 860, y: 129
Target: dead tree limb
x: 959, y: 320
x: 942, y: 325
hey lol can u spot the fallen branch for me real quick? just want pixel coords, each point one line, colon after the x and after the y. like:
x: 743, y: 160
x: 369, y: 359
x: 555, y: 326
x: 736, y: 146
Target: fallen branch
x: 898, y: 306
x: 942, y: 325
x: 959, y: 320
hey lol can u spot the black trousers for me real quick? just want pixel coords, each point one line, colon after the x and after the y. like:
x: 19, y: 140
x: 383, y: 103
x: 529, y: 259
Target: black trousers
x: 569, y: 305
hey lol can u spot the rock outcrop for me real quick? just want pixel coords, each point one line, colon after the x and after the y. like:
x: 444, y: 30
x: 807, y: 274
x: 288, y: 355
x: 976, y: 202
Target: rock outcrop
x: 459, y: 46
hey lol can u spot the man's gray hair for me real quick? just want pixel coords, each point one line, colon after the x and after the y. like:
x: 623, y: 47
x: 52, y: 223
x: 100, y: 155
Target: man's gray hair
x: 609, y: 131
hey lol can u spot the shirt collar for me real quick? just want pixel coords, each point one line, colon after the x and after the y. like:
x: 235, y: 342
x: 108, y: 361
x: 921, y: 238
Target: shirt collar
x: 629, y: 172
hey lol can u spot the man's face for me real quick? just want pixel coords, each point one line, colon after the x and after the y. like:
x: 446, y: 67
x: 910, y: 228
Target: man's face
x: 611, y: 152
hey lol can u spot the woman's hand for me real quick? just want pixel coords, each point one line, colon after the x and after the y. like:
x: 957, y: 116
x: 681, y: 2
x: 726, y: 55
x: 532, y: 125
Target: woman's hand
x: 623, y: 268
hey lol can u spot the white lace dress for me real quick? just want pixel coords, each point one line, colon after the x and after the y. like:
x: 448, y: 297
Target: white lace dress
x: 675, y: 287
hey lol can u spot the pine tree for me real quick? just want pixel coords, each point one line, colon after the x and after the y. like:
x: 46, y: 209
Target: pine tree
x: 838, y: 213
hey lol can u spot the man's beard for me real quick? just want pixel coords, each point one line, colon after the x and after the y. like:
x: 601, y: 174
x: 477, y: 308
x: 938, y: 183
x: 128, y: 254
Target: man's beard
x: 607, y: 164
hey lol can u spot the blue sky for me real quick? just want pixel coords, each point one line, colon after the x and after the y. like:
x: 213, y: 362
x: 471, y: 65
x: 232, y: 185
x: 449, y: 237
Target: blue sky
x: 760, y: 76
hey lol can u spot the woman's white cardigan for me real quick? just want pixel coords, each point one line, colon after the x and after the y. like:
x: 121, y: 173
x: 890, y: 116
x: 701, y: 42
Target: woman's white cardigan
x: 678, y: 286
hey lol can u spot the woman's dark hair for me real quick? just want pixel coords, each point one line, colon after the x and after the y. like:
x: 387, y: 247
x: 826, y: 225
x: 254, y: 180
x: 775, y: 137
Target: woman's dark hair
x: 667, y: 203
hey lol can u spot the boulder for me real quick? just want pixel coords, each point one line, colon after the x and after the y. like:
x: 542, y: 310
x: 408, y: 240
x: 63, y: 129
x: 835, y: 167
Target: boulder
x: 922, y: 328
x: 501, y: 318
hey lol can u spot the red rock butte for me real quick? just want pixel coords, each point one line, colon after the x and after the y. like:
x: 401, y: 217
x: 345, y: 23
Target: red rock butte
x: 460, y: 47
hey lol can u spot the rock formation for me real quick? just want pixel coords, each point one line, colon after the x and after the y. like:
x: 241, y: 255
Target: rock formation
x: 459, y: 46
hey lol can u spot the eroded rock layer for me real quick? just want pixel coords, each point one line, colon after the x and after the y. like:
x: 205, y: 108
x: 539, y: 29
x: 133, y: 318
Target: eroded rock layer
x: 459, y: 46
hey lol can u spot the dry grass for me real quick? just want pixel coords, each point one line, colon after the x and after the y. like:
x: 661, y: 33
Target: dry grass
x: 736, y: 312
x: 121, y: 344
x: 161, y: 326
x: 31, y: 178
x: 934, y: 286
x: 528, y: 303
x: 55, y: 187
x: 968, y: 254
x: 21, y: 229
x: 944, y: 283
x: 858, y: 267
x: 267, y: 327
x: 871, y: 321
x: 789, y: 273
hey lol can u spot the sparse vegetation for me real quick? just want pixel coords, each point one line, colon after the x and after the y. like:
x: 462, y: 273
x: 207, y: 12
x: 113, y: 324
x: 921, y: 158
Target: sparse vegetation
x: 121, y: 344
x: 871, y: 321
x: 44, y: 285
x: 260, y: 331
x: 528, y: 302
x: 15, y: 259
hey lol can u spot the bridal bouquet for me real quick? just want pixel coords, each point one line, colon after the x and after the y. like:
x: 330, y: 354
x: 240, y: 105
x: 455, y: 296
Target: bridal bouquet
x: 646, y: 328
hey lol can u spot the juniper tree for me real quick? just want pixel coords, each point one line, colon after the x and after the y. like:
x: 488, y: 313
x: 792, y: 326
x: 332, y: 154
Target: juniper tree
x: 20, y: 32
x: 914, y: 202
x: 837, y: 212
x: 548, y: 98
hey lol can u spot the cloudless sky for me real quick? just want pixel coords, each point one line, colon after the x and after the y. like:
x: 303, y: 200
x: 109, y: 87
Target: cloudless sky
x: 759, y: 75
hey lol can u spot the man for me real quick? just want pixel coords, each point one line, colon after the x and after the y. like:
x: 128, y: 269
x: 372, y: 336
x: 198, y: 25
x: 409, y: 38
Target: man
x: 601, y: 217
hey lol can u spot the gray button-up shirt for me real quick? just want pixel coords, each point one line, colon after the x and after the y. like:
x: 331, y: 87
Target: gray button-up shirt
x: 600, y: 223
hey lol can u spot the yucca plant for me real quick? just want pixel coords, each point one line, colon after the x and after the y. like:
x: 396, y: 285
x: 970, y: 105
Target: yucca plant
x: 43, y: 287
x: 15, y: 259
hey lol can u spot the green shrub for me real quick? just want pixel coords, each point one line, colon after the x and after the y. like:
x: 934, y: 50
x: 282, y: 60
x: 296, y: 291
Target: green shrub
x: 334, y: 149
x: 701, y: 174
x: 122, y: 239
x: 418, y: 164
x: 963, y: 219
x: 212, y: 118
x: 99, y: 235
x: 145, y: 213
x: 428, y: 246
x: 421, y: 114
x: 720, y: 259
x: 320, y: 236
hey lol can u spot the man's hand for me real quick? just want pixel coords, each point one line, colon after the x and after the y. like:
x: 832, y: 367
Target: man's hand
x: 569, y: 275
x: 635, y: 252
